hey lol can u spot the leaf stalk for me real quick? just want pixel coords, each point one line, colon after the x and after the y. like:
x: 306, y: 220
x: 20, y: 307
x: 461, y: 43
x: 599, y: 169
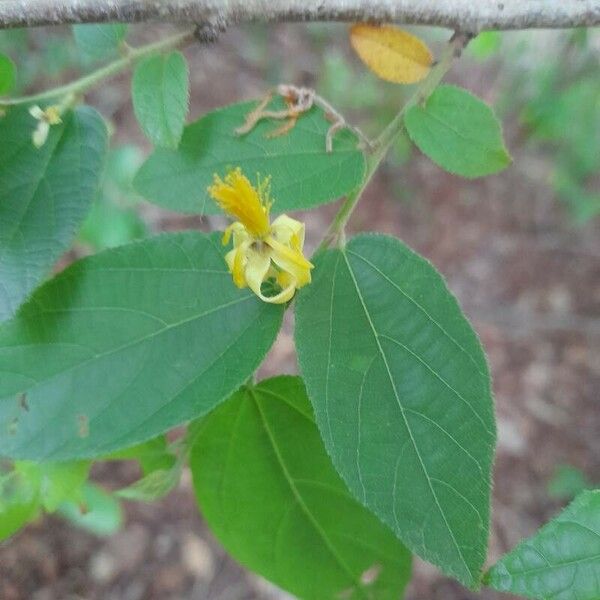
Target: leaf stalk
x: 374, y: 157
x: 87, y: 82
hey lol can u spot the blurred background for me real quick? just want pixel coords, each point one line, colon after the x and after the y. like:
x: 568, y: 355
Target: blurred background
x: 521, y: 250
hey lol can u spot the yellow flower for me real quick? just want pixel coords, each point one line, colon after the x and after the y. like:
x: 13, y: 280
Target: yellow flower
x: 46, y: 118
x: 261, y: 250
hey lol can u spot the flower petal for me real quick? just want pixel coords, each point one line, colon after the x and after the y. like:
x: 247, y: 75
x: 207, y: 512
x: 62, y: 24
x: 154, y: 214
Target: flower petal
x: 236, y: 261
x: 257, y: 269
x: 40, y: 135
x: 285, y: 228
x: 36, y: 112
x: 237, y: 229
x: 290, y: 260
x: 285, y: 295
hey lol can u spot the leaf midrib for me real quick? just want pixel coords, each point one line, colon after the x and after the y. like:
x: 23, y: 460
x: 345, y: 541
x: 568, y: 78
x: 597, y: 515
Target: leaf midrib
x: 410, y: 58
x: 554, y: 564
x: 422, y: 309
x: 11, y: 235
x: 470, y: 140
x: 133, y: 343
x: 298, y: 497
x: 402, y: 411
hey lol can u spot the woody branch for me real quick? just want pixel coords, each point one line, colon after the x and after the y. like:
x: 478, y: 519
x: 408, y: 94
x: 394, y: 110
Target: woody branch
x: 465, y: 15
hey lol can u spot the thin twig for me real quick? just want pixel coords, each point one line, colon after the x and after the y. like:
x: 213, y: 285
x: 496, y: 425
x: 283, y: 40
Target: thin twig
x: 382, y: 144
x: 83, y: 84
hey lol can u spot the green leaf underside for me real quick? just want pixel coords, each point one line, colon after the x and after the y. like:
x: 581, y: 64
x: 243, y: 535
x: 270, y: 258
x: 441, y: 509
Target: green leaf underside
x: 152, y: 455
x: 45, y: 195
x: 271, y: 495
x: 561, y: 561
x: 98, y: 512
x: 401, y: 392
x: 459, y: 132
x: 303, y: 173
x: 99, y: 42
x: 152, y: 487
x: 160, y: 94
x: 125, y: 345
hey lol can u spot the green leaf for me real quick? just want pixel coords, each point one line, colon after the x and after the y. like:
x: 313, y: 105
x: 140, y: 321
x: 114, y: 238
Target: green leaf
x: 45, y: 195
x: 125, y: 345
x: 160, y: 94
x: 113, y: 219
x: 109, y: 226
x: 561, y: 561
x: 459, y: 132
x: 486, y: 44
x: 19, y: 503
x: 15, y: 515
x: 401, y: 392
x: 121, y: 166
x: 99, y: 512
x: 153, y: 455
x: 271, y: 495
x: 153, y: 486
x: 55, y: 482
x: 567, y: 482
x: 99, y: 42
x: 8, y: 74
x: 304, y: 174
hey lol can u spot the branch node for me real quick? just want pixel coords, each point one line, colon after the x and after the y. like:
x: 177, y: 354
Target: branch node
x: 208, y: 31
x: 460, y: 40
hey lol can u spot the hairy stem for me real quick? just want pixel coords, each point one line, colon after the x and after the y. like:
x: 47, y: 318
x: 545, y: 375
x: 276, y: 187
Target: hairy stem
x: 383, y: 143
x: 87, y: 82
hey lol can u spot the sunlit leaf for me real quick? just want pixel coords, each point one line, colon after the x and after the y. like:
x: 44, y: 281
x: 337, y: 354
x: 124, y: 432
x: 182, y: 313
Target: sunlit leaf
x: 15, y: 515
x: 486, y: 44
x: 269, y: 492
x: 55, y: 482
x: 8, y: 74
x: 19, y: 502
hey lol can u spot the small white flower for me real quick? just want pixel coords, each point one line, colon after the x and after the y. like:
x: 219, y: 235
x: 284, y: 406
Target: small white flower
x: 46, y: 118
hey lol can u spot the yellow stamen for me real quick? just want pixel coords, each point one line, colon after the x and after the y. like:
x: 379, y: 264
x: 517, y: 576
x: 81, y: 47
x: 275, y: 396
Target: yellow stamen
x: 52, y: 114
x: 239, y: 198
x: 260, y: 250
